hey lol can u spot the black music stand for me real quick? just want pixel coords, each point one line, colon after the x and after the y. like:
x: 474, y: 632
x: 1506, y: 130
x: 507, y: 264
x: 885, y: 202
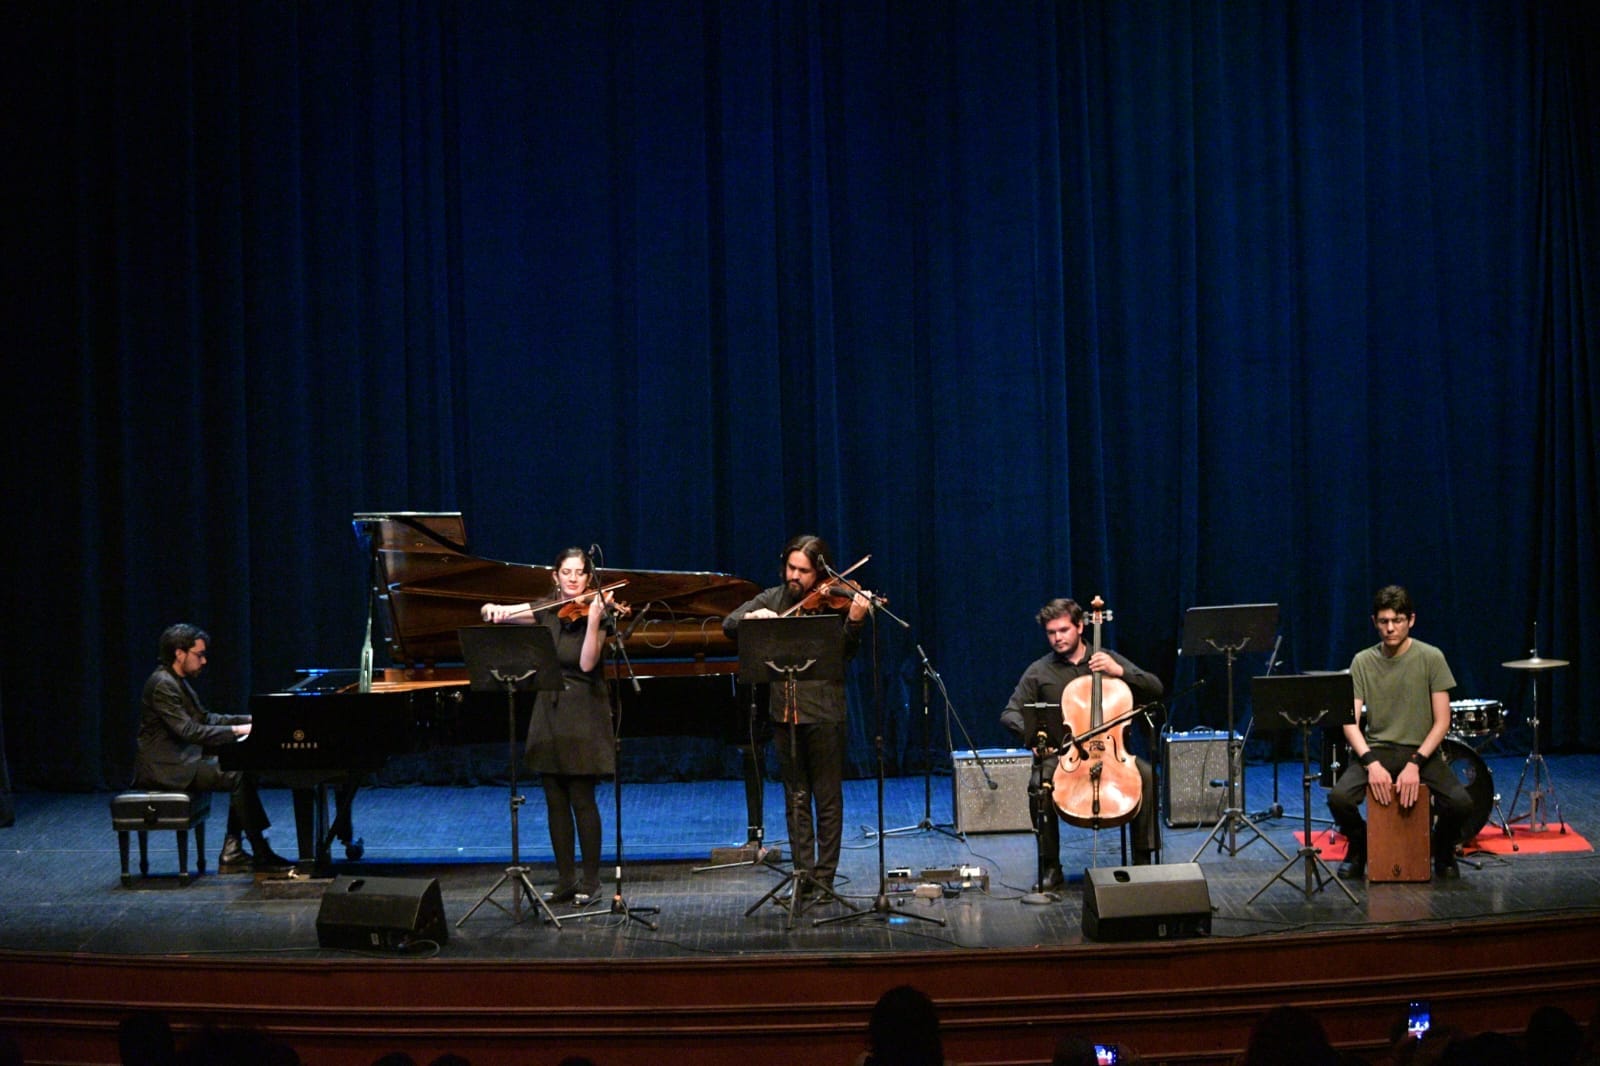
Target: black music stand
x: 512, y: 659
x: 1300, y: 701
x: 619, y: 902
x: 1041, y: 806
x: 786, y: 651
x: 1228, y: 631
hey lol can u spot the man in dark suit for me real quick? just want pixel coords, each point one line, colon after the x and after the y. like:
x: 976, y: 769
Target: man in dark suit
x: 175, y: 733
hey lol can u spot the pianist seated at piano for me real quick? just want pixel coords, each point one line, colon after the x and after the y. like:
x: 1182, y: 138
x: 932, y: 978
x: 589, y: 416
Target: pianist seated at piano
x: 571, y: 744
x: 177, y: 741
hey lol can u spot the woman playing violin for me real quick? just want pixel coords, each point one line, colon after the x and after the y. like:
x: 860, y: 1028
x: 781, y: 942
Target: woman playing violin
x: 571, y: 744
x: 811, y: 756
x: 1042, y: 684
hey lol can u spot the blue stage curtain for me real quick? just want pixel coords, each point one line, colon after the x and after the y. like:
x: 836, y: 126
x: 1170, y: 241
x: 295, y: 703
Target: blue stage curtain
x: 1180, y: 304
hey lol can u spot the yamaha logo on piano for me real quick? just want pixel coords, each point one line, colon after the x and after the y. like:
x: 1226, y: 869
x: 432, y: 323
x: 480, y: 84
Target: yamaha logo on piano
x: 297, y: 742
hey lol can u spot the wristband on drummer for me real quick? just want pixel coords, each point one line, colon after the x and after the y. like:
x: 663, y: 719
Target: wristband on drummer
x: 1417, y: 758
x: 1369, y: 757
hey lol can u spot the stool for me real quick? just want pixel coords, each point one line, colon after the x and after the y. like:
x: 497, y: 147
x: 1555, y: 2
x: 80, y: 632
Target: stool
x: 140, y: 812
x: 1397, y: 839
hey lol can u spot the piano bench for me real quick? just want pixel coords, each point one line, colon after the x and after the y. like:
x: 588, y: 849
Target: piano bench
x: 140, y: 812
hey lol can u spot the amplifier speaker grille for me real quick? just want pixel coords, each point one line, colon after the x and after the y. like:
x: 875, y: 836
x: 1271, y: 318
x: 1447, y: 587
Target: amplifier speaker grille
x: 1192, y: 761
x: 980, y: 809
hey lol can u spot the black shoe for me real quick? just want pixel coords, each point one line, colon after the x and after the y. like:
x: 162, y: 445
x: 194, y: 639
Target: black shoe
x: 1052, y: 880
x: 561, y: 894
x: 586, y: 893
x: 354, y: 849
x: 1447, y: 870
x: 1353, y: 868
x: 267, y: 861
x: 234, y: 859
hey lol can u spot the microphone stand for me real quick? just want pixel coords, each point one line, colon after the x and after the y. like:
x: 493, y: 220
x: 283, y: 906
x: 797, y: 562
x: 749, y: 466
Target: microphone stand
x: 881, y: 907
x: 1276, y: 809
x: 928, y: 824
x: 619, y: 904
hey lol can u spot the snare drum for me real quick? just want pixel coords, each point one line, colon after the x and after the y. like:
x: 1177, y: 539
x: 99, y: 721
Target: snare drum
x: 1476, y: 718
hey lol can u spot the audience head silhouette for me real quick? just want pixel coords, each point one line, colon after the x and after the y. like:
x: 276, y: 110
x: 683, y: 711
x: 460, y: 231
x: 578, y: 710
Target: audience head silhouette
x: 1553, y: 1037
x: 904, y: 1030
x: 1289, y: 1036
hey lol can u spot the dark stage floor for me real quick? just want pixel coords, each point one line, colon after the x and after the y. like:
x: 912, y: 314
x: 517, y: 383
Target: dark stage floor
x: 60, y: 892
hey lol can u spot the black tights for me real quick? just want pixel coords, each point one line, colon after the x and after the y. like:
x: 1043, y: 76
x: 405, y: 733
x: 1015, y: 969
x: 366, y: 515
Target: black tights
x: 574, y: 817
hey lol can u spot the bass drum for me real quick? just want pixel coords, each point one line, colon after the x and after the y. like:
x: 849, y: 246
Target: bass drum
x: 1474, y: 775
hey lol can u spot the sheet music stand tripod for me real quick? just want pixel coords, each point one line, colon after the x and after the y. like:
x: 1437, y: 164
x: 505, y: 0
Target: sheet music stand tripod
x: 1228, y: 631
x: 783, y: 652
x: 1301, y: 701
x: 512, y: 659
x: 619, y: 902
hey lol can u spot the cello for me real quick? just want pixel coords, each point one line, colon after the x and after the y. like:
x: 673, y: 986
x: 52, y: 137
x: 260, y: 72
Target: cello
x: 1097, y: 783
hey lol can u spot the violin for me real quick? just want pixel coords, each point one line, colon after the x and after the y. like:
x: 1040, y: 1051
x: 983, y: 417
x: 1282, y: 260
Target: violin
x: 569, y: 609
x: 1097, y: 783
x: 578, y: 606
x: 830, y: 595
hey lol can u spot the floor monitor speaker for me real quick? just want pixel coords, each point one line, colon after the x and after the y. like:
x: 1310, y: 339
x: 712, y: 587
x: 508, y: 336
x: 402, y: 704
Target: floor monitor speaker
x: 381, y: 913
x: 1146, y: 902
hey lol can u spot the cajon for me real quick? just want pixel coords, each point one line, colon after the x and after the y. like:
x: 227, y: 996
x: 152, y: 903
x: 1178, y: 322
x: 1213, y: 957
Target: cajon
x: 1397, y: 839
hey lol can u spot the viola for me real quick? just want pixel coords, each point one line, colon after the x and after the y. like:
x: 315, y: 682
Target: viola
x: 831, y: 598
x: 1097, y: 783
x: 830, y: 595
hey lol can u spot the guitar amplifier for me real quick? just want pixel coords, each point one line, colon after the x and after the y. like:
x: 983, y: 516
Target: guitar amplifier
x: 1192, y: 761
x: 981, y: 809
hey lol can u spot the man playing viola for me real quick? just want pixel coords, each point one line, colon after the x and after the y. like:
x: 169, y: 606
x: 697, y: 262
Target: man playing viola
x: 811, y: 754
x: 1034, y: 714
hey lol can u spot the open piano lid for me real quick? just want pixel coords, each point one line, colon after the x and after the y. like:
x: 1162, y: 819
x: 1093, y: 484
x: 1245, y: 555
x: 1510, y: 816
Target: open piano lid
x: 429, y: 586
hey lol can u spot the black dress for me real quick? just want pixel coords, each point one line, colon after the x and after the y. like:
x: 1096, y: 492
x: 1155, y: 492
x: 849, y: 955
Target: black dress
x: 570, y: 731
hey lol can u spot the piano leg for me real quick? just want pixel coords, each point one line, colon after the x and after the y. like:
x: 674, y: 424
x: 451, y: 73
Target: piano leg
x: 311, y: 830
x: 754, y: 795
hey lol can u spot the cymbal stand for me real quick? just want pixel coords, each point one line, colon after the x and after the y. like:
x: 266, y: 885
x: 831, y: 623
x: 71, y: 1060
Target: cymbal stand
x: 516, y: 873
x: 1317, y: 872
x: 619, y: 902
x: 1543, y: 788
x: 1227, y: 827
x: 928, y: 824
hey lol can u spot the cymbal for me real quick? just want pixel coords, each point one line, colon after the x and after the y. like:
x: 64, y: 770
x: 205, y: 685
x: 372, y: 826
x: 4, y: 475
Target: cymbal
x: 1535, y: 663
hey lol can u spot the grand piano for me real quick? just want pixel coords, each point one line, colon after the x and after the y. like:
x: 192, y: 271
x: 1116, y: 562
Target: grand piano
x: 426, y: 586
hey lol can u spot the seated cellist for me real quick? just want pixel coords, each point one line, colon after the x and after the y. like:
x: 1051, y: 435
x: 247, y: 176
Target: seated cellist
x: 1034, y: 711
